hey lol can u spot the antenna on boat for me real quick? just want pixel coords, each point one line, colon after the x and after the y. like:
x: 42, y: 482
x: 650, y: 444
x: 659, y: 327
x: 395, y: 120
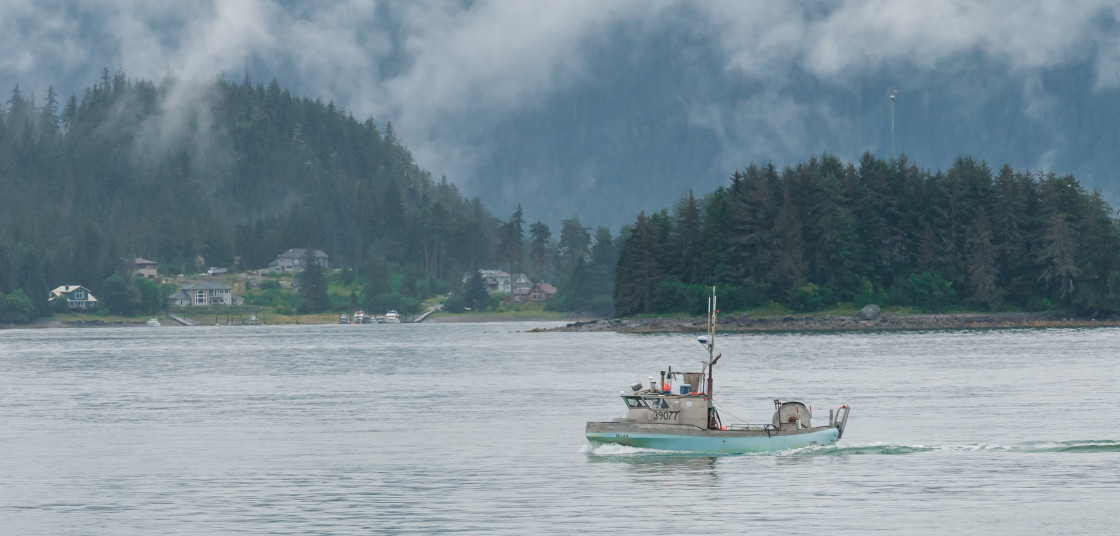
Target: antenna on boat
x: 710, y: 340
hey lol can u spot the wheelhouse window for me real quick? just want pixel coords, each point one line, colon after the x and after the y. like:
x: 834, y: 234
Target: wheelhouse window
x: 633, y: 402
x: 657, y: 403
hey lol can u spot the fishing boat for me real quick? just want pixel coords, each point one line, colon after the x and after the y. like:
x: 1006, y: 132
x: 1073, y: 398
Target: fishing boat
x: 153, y: 323
x: 359, y: 317
x: 678, y: 413
x: 392, y: 317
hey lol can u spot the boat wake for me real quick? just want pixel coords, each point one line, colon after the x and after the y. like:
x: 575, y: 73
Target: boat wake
x: 608, y: 450
x: 892, y: 449
x: 613, y: 449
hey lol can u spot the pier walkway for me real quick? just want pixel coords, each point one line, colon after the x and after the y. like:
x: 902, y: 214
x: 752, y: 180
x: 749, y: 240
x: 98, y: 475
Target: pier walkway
x: 181, y: 320
x: 432, y: 309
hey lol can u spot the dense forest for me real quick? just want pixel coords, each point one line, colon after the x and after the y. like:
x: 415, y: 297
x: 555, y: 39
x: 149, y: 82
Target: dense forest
x: 194, y: 175
x: 884, y: 232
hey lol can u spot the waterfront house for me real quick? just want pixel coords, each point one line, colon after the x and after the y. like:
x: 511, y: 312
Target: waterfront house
x: 519, y: 288
x: 179, y: 299
x: 78, y: 297
x: 496, y: 280
x: 207, y: 293
x: 541, y: 292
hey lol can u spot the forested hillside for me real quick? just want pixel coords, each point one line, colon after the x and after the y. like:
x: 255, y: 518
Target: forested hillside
x: 194, y: 175
x: 822, y: 232
x: 218, y: 174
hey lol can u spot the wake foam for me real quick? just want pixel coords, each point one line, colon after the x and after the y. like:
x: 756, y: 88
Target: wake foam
x: 897, y: 449
x: 871, y: 449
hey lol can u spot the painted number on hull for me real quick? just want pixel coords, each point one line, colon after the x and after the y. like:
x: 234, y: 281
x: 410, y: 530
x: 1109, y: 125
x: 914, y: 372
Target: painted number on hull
x: 664, y: 415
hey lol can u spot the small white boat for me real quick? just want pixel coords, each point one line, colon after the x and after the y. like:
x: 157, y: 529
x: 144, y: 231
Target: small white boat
x: 359, y: 317
x: 153, y: 323
x: 392, y: 317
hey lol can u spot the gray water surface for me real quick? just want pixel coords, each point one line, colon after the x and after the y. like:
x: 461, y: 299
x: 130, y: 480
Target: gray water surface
x: 478, y: 428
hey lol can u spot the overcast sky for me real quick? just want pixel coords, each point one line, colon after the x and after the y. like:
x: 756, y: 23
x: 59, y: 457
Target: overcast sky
x: 421, y: 63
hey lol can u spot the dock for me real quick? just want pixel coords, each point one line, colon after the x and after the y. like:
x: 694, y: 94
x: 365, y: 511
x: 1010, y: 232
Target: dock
x: 182, y: 320
x: 432, y: 309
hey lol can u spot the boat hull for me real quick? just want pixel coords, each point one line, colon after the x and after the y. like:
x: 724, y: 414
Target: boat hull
x: 687, y: 439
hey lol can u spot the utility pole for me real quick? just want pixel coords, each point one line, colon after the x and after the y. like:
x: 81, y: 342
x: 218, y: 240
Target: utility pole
x: 892, y: 124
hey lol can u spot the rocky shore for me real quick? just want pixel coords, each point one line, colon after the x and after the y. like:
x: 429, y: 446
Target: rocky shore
x: 880, y: 322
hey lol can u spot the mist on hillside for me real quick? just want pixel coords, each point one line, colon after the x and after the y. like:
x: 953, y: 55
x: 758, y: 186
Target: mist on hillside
x: 601, y: 110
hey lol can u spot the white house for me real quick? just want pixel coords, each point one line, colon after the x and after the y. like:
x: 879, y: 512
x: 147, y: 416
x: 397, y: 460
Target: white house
x: 206, y: 293
x: 496, y: 280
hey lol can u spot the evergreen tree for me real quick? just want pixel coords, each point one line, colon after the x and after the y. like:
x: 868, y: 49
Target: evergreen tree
x: 313, y: 287
x: 513, y: 234
x: 982, y: 268
x: 474, y: 292
x: 687, y: 241
x: 788, y: 268
x: 600, y: 274
x: 539, y: 236
x: 637, y: 274
x: 1057, y: 254
x: 574, y: 243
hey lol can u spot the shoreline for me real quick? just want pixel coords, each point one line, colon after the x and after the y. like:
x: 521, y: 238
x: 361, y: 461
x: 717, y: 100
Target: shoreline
x: 834, y: 323
x: 734, y: 322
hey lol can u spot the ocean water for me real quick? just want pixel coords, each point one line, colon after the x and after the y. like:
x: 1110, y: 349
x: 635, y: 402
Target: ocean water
x: 478, y: 429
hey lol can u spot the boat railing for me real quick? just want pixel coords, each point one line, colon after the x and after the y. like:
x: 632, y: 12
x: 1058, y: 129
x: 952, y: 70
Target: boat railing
x: 839, y: 419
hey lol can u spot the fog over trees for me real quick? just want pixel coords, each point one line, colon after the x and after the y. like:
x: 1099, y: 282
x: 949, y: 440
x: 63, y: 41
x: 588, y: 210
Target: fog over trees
x: 228, y: 174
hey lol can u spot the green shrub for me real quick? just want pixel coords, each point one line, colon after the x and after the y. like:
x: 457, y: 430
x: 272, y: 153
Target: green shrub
x: 454, y: 304
x: 931, y: 292
x: 806, y: 298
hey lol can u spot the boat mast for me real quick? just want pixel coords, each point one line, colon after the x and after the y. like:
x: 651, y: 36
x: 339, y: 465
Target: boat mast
x: 712, y: 311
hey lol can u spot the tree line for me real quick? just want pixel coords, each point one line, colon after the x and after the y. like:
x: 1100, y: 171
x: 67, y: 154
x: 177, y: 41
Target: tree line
x: 823, y: 232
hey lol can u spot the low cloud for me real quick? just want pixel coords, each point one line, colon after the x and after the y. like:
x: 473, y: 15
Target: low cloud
x: 445, y: 73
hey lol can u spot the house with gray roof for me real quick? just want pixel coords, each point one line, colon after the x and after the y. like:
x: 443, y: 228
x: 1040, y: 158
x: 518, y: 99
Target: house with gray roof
x: 295, y: 260
x: 145, y: 267
x: 204, y: 293
x: 179, y: 299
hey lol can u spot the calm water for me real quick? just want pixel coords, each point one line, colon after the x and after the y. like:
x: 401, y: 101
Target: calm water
x: 478, y: 428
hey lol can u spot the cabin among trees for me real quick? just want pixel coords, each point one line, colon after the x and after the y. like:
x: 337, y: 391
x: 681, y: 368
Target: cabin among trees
x: 145, y: 267
x: 295, y: 260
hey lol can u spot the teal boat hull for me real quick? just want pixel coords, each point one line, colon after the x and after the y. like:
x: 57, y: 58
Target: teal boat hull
x: 709, y: 441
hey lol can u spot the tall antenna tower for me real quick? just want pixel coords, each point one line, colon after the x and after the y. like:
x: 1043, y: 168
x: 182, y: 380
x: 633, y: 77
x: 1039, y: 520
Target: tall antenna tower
x: 892, y: 94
